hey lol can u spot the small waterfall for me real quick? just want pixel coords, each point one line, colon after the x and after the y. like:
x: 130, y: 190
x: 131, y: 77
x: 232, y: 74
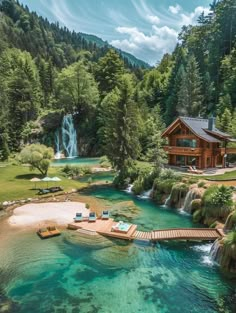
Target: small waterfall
x: 69, y: 136
x: 146, y: 194
x: 57, y: 145
x: 215, y: 252
x: 167, y: 201
x: 129, y: 188
x: 192, y: 194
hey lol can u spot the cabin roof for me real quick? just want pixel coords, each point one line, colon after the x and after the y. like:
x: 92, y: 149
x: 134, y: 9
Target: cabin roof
x: 199, y: 127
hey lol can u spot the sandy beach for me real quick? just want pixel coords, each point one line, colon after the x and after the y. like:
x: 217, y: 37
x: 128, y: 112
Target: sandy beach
x: 37, y: 214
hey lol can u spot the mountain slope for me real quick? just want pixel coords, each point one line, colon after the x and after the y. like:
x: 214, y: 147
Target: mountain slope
x: 25, y: 30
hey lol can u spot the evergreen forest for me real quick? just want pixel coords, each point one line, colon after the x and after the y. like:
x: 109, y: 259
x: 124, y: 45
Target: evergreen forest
x: 120, y: 105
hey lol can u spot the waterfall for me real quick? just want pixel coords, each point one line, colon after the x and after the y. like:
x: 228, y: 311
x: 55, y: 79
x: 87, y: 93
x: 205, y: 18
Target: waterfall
x: 146, y: 194
x: 167, y: 201
x: 194, y: 193
x: 215, y: 252
x: 69, y: 136
x: 57, y: 145
x: 129, y: 188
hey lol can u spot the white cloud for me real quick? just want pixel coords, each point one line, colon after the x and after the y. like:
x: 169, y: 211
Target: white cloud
x: 175, y: 9
x: 153, y: 19
x: 191, y: 18
x: 161, y: 40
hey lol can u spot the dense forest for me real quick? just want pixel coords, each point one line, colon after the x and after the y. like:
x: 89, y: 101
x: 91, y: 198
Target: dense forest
x: 120, y: 108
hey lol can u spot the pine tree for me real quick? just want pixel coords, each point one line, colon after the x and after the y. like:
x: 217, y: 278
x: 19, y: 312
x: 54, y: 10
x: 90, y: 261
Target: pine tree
x: 108, y: 72
x: 120, y: 131
x: 190, y: 93
x: 226, y: 121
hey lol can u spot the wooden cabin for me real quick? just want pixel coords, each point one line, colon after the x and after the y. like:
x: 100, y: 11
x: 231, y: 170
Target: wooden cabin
x: 197, y: 142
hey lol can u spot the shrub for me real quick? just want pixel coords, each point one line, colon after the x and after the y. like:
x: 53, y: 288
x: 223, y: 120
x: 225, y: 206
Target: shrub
x: 73, y: 171
x: 201, y: 184
x: 138, y: 187
x: 213, y: 225
x: 167, y: 174
x: 217, y: 202
x: 104, y: 162
x: 196, y: 205
x: 87, y: 206
x: 197, y: 216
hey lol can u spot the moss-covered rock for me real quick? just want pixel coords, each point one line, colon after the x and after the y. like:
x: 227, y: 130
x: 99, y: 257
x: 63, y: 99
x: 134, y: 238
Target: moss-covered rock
x: 224, y: 252
x: 197, y: 216
x: 196, y: 205
x: 230, y: 222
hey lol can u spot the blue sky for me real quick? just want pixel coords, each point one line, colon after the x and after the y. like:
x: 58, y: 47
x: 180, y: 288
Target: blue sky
x: 145, y: 28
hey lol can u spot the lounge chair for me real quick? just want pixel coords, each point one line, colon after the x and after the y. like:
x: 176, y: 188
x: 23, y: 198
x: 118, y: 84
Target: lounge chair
x: 92, y: 217
x: 105, y: 215
x: 194, y: 170
x: 78, y: 217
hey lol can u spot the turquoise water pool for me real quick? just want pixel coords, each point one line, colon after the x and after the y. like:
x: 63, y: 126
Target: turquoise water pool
x: 76, y: 161
x: 86, y: 275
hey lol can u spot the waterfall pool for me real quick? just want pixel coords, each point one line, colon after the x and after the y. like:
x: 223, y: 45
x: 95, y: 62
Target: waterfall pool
x: 76, y: 161
x: 74, y: 274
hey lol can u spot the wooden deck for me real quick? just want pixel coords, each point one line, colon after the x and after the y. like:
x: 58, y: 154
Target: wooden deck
x: 104, y: 228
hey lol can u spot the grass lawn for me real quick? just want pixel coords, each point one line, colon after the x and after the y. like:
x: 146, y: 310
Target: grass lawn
x: 15, y: 184
x: 226, y: 176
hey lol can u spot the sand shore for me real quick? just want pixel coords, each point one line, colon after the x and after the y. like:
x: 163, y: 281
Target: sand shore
x: 39, y: 214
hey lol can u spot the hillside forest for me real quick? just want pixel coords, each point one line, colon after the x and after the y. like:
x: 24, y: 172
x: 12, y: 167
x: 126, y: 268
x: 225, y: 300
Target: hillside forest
x: 120, y: 105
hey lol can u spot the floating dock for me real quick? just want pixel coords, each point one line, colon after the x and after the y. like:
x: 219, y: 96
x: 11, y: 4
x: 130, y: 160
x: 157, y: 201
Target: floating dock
x: 104, y: 228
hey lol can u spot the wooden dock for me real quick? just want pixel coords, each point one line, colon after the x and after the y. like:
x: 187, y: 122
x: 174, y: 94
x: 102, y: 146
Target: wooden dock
x: 104, y: 228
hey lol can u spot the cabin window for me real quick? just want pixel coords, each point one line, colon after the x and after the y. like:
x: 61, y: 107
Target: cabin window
x: 180, y: 160
x: 191, y: 143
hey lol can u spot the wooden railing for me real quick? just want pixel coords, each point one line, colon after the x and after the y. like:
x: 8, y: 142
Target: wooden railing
x: 183, y: 150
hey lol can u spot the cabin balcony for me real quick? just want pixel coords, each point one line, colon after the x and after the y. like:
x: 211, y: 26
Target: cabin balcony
x: 183, y: 150
x: 223, y: 151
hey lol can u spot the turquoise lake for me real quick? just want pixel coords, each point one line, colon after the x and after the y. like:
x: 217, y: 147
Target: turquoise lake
x: 76, y: 162
x: 74, y: 274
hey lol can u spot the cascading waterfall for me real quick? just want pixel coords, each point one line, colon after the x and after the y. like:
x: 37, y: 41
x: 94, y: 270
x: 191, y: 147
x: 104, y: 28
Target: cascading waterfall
x: 167, y: 201
x: 146, y: 194
x: 194, y: 193
x: 57, y: 145
x: 215, y: 252
x: 69, y: 136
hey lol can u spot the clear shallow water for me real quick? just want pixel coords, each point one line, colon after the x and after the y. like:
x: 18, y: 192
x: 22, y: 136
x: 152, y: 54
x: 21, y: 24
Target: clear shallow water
x: 75, y: 274
x: 76, y: 161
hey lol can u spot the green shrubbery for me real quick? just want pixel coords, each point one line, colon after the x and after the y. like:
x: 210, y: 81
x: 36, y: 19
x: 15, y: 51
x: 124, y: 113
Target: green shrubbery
x: 217, y: 202
x: 74, y: 171
x: 104, y: 162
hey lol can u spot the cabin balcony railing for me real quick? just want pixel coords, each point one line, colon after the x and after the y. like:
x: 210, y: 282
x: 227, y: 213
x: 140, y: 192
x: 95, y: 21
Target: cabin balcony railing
x: 183, y: 150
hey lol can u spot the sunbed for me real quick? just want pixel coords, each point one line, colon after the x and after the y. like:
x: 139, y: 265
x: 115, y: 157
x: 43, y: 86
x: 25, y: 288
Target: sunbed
x: 92, y: 217
x: 78, y: 217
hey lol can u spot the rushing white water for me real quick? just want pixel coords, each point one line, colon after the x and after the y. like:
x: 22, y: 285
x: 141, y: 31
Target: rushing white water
x: 129, y: 188
x: 191, y: 195
x: 146, y: 194
x: 215, y: 251
x: 57, y: 145
x: 69, y: 136
x: 167, y: 201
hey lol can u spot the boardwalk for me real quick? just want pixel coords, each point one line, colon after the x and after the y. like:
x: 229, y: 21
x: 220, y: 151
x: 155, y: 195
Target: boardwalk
x: 179, y: 234
x: 104, y: 228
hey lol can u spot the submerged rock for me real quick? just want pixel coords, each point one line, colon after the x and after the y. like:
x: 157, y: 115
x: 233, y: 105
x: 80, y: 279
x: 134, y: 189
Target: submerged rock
x: 125, y: 210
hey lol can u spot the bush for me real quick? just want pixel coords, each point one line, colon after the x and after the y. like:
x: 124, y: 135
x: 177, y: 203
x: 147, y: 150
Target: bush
x: 73, y: 171
x: 167, y: 174
x: 197, y: 216
x: 217, y: 202
x: 213, y: 225
x: 138, y: 188
x: 104, y: 162
x: 196, y: 205
x: 201, y: 184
